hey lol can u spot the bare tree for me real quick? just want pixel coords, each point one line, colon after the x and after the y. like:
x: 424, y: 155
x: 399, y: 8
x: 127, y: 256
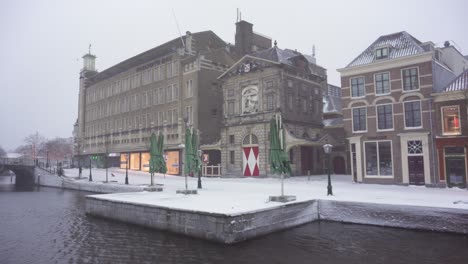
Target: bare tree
x: 59, y: 148
x: 35, y: 142
x: 2, y: 152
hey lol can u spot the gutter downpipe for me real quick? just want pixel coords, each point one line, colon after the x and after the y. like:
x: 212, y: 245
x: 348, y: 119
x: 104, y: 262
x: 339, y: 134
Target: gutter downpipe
x: 432, y: 142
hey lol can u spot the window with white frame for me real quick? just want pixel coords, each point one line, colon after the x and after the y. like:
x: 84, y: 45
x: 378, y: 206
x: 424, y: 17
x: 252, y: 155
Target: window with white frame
x: 410, y: 79
x: 189, y: 114
x: 175, y: 68
x: 359, y: 119
x: 161, y: 118
x: 156, y: 73
x: 357, y: 87
x: 169, y: 70
x: 378, y: 158
x: 161, y: 97
x: 413, y: 114
x: 384, y: 117
x: 175, y: 91
x: 189, y: 85
x: 169, y: 93
x: 381, y: 53
x: 451, y: 120
x: 382, y: 83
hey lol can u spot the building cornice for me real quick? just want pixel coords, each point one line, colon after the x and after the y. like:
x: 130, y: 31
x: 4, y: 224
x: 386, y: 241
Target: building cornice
x: 386, y: 64
x: 450, y: 96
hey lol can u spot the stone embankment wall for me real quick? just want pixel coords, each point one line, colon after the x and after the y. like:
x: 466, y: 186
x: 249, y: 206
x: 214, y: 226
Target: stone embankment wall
x: 44, y: 178
x: 230, y: 229
x: 222, y: 228
x: 402, y: 216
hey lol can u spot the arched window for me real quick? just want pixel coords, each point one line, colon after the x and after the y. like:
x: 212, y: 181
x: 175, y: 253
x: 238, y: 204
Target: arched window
x: 250, y: 139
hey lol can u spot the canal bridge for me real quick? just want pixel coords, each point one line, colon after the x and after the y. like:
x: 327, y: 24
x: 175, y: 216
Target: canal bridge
x: 22, y: 167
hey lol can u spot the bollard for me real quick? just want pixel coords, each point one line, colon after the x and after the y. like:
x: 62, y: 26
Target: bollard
x: 308, y: 175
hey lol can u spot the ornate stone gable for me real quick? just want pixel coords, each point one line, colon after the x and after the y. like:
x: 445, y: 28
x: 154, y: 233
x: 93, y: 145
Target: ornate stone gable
x: 248, y: 65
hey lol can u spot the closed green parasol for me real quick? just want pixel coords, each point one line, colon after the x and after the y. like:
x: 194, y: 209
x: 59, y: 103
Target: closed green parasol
x: 161, y: 167
x: 157, y: 163
x: 279, y: 160
x: 196, y: 159
x: 188, y: 165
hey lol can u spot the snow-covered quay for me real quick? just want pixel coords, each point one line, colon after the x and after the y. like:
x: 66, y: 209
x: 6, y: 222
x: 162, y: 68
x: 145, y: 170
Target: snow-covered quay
x: 240, y: 207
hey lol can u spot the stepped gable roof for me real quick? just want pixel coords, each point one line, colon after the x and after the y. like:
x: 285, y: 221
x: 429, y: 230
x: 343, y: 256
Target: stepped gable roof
x: 401, y: 44
x: 460, y: 83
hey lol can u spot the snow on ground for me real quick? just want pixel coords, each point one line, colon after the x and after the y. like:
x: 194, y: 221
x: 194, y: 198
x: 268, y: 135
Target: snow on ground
x: 236, y: 195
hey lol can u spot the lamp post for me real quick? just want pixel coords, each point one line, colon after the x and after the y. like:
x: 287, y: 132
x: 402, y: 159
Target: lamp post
x: 126, y: 168
x: 90, y: 165
x: 200, y: 154
x: 328, y: 148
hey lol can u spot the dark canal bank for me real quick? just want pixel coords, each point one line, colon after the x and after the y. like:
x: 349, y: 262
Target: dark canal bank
x: 48, y: 225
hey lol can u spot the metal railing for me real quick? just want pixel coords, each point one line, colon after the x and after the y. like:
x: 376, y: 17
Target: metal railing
x: 211, y: 171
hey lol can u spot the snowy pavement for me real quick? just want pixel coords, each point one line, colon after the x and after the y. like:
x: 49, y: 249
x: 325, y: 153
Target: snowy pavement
x: 236, y: 195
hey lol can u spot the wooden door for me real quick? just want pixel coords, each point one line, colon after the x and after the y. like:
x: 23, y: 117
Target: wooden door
x: 306, y: 160
x: 339, y: 166
x: 416, y: 170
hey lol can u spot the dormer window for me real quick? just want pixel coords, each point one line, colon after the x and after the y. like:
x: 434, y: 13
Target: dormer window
x: 381, y: 53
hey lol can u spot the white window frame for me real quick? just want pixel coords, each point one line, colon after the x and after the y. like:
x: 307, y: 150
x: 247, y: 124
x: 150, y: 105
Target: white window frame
x: 377, y: 118
x: 442, y: 121
x: 352, y: 119
x: 404, y: 114
x: 189, y: 85
x: 389, y: 84
x: 351, y: 87
x: 403, y: 80
x: 378, y: 161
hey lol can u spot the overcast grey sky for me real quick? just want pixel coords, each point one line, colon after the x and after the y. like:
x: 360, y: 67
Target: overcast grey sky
x: 42, y: 42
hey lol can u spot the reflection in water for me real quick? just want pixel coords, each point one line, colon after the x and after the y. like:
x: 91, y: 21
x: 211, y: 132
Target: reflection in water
x: 47, y: 225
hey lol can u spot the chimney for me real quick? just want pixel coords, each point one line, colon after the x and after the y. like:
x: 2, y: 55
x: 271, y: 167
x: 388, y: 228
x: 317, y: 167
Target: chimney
x: 244, y: 37
x: 446, y: 43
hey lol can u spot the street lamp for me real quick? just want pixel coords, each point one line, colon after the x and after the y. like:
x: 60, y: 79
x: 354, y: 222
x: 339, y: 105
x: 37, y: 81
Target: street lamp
x: 200, y: 154
x: 328, y: 148
x: 126, y: 168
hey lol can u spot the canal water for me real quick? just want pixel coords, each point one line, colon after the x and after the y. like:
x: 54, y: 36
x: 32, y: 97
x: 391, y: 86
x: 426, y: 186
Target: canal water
x: 49, y: 225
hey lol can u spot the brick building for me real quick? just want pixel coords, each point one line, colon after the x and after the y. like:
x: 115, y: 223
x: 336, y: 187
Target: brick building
x: 153, y: 91
x: 451, y: 121
x: 387, y: 108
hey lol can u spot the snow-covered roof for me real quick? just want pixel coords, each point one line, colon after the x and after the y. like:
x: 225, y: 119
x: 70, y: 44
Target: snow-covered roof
x: 282, y: 56
x: 400, y: 44
x: 14, y: 155
x: 333, y: 122
x: 331, y: 104
x: 460, y: 83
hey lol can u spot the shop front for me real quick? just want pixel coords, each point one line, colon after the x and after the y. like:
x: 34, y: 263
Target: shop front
x: 139, y: 161
x: 453, y: 161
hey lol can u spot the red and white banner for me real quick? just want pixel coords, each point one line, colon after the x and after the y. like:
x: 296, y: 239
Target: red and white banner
x: 250, y: 161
